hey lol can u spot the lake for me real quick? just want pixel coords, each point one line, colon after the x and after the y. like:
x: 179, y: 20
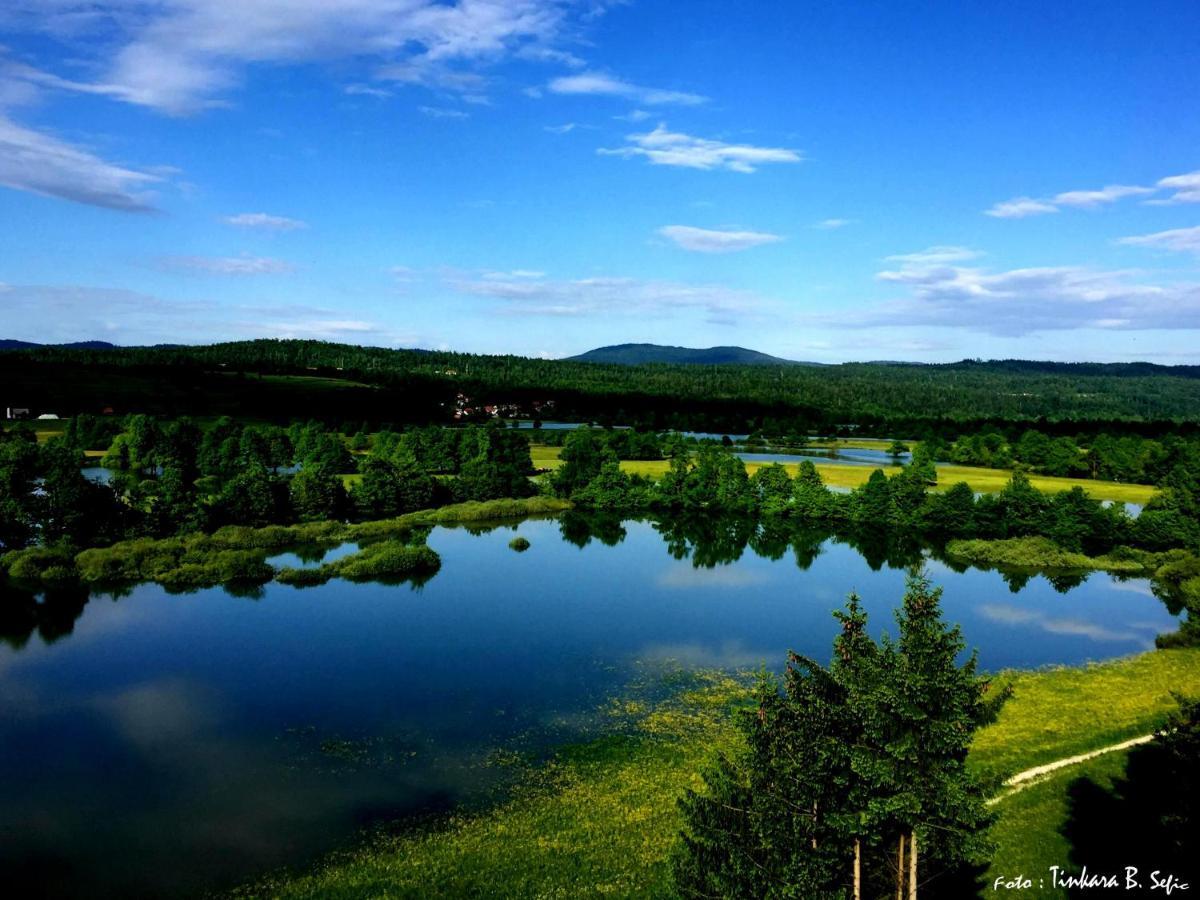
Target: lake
x: 167, y: 744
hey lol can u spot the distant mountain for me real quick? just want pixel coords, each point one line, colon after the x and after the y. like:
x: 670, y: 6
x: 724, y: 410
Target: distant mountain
x: 637, y: 354
x: 10, y: 344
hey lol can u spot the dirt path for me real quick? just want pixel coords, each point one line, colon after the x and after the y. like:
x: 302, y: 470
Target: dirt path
x: 1022, y: 780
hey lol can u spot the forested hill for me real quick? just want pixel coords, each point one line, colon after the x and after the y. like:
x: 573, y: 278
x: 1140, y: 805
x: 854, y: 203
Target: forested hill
x: 10, y: 344
x: 640, y: 354
x: 284, y: 379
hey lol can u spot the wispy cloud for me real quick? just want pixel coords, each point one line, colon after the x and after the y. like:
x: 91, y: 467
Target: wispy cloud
x: 1186, y: 189
x: 1007, y: 614
x: 532, y: 294
x: 43, y: 164
x: 57, y: 313
x: 1181, y: 240
x: 186, y: 55
x: 832, y: 224
x: 1092, y: 199
x: 1020, y: 301
x: 703, y: 240
x: 598, y: 83
x: 668, y: 148
x: 941, y: 293
x: 932, y: 256
x: 264, y: 222
x: 226, y: 265
x: 565, y: 128
x: 366, y: 90
x: 439, y: 112
x: 1020, y: 208
x: 551, y: 55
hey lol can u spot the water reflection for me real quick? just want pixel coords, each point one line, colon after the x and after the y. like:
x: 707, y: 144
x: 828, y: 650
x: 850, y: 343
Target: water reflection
x: 215, y: 736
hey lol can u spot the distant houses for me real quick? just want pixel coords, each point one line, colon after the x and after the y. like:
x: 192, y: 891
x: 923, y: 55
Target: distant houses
x: 20, y: 412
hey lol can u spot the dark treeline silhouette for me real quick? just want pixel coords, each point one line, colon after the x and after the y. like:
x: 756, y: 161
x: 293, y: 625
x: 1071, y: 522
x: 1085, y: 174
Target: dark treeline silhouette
x: 280, y: 380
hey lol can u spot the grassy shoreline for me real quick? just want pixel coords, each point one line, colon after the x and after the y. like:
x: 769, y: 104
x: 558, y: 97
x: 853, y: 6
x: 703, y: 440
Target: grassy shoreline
x: 237, y: 554
x: 601, y: 818
x: 1040, y: 554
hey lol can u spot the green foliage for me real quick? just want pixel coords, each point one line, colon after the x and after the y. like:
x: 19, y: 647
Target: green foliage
x: 871, y: 749
x: 177, y: 563
x: 41, y: 565
x: 318, y: 494
x: 288, y: 378
x: 519, y: 543
x: 386, y: 561
x: 1040, y: 554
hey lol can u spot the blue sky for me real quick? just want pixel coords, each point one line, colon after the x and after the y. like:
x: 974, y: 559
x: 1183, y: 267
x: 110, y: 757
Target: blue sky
x: 828, y: 181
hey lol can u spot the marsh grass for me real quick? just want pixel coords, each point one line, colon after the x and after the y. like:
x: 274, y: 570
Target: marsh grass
x: 598, y: 820
x: 1038, y: 554
x: 601, y: 818
x: 237, y: 554
x: 383, y: 561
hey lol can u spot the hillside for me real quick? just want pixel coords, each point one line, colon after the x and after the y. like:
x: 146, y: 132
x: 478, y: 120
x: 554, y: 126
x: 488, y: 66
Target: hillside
x: 11, y: 344
x: 641, y: 354
x: 287, y: 379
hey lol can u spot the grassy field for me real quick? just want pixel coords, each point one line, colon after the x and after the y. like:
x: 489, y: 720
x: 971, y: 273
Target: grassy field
x: 1029, y: 830
x: 985, y: 481
x: 600, y: 820
x: 1061, y: 712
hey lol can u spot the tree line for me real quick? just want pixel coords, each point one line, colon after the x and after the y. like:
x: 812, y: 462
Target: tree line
x: 715, y: 478
x: 415, y: 386
x: 169, y: 477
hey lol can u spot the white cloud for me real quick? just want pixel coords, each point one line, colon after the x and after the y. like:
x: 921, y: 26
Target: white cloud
x: 58, y: 313
x: 42, y: 164
x: 1182, y: 240
x: 365, y: 90
x: 264, y: 221
x: 1021, y: 301
x: 938, y: 255
x: 703, y: 240
x: 832, y: 224
x: 551, y: 55
x: 227, y: 265
x: 1186, y: 189
x: 667, y: 148
x: 598, y: 83
x: 1092, y: 199
x: 437, y: 112
x: 566, y: 128
x: 182, y: 56
x: 634, y: 115
x: 1020, y: 207
x: 529, y: 293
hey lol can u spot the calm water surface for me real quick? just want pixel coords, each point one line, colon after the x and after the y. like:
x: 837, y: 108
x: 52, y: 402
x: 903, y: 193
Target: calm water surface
x: 166, y: 744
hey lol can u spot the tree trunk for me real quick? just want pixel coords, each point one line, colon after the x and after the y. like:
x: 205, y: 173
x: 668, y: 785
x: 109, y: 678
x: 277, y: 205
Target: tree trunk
x: 900, y: 870
x: 857, y: 869
x: 912, y: 866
